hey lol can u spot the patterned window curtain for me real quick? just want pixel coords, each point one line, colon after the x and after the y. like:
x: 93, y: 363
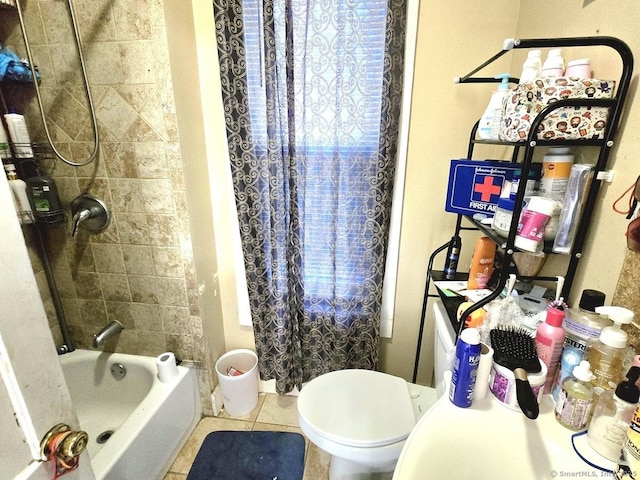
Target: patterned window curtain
x: 312, y: 97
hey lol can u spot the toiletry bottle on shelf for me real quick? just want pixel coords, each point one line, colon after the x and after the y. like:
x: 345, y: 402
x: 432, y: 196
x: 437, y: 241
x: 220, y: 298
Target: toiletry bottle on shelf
x: 481, y: 263
x: 19, y: 192
x: 465, y: 367
x: 533, y: 223
x: 612, y: 416
x: 531, y: 67
x: 453, y: 253
x: 549, y: 341
x: 607, y: 354
x: 553, y: 66
x: 556, y: 170
x: 581, y: 325
x: 489, y: 126
x: 576, y: 398
x: 44, y: 199
x: 5, y: 152
x: 19, y: 135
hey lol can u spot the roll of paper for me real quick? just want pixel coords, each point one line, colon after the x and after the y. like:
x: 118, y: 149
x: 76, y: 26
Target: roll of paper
x: 167, y: 368
x: 484, y: 370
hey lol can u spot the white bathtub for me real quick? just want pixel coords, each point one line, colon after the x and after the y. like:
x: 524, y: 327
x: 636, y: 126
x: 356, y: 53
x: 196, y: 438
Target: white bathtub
x: 150, y: 420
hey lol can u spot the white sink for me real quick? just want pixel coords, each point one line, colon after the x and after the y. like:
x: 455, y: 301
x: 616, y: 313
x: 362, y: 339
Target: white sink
x: 489, y: 441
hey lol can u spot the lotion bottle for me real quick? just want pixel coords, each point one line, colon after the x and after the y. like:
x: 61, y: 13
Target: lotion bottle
x: 612, y: 416
x: 549, y: 342
x: 489, y: 126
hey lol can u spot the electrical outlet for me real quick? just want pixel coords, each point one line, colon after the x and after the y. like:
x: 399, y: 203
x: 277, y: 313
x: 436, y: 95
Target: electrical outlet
x: 216, y: 401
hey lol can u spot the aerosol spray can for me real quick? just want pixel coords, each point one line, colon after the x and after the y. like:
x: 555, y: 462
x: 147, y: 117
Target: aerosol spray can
x: 453, y: 253
x: 465, y: 367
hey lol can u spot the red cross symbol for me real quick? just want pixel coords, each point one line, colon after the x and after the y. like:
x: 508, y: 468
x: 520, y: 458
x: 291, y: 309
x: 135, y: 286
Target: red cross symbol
x: 486, y: 189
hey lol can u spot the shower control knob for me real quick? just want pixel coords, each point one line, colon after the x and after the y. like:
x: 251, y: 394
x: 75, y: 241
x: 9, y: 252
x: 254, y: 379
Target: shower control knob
x: 73, y: 445
x: 63, y: 443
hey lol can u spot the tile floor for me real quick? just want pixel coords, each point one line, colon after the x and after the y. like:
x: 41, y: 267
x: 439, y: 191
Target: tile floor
x: 275, y: 413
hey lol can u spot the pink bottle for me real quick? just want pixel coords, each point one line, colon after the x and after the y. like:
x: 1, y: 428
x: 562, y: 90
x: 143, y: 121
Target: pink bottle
x: 549, y: 343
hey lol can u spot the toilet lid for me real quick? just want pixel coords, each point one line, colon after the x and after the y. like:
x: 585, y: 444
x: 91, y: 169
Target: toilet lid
x: 360, y: 408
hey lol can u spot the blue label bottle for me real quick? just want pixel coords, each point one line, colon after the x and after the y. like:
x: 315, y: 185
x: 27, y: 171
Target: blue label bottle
x: 465, y: 367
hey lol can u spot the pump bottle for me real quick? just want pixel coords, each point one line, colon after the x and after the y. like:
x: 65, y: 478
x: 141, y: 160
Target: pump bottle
x: 612, y: 416
x: 489, y: 126
x: 607, y: 354
x: 574, y: 403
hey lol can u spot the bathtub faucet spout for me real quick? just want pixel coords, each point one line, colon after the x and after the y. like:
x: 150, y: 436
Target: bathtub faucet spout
x: 112, y: 328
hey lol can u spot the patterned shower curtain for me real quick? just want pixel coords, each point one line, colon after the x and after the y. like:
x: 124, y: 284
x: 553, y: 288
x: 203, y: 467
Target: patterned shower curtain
x: 312, y: 112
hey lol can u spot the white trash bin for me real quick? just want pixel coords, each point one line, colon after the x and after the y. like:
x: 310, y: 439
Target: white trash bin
x: 239, y: 392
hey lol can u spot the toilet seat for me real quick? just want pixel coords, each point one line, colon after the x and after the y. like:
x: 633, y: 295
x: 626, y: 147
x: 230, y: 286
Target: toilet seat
x: 357, y: 408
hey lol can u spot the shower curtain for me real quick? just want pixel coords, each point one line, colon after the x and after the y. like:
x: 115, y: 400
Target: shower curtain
x: 312, y: 97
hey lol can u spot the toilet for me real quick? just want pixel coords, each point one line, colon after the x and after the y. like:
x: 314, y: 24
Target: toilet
x: 362, y: 418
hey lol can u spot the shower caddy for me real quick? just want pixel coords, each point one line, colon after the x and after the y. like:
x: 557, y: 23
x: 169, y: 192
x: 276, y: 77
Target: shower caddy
x: 527, y: 146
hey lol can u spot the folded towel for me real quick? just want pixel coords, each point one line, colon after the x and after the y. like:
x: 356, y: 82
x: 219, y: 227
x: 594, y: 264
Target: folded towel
x: 13, y: 67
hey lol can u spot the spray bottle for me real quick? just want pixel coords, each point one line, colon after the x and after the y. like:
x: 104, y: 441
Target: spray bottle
x: 489, y: 126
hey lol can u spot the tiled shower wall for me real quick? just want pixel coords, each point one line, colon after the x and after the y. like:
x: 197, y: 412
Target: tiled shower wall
x: 140, y: 271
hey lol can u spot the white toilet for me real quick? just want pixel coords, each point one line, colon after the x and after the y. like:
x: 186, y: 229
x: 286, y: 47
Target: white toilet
x: 362, y: 418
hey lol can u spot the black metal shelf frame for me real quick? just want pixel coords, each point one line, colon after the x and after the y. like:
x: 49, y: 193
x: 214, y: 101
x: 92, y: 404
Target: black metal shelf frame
x: 615, y: 107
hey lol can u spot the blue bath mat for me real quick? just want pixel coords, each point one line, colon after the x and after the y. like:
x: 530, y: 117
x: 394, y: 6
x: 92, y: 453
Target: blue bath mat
x: 230, y: 455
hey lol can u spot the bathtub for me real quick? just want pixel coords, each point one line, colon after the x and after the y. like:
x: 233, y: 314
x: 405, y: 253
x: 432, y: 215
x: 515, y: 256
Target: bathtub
x: 136, y: 424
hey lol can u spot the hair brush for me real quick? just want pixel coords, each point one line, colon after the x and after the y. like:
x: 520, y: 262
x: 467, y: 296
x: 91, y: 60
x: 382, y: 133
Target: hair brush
x: 515, y: 349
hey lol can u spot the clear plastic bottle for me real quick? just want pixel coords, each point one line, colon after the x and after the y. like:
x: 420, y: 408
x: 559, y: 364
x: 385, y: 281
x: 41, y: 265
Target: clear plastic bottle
x: 607, y: 354
x: 573, y: 407
x: 612, y: 416
x: 582, y: 325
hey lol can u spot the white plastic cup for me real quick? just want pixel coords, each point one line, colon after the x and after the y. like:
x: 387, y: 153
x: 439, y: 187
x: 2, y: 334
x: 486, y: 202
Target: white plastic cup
x: 484, y: 372
x: 239, y: 391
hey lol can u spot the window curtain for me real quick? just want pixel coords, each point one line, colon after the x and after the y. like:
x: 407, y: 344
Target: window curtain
x: 312, y: 98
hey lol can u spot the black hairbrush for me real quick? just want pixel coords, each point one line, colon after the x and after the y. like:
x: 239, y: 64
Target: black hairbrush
x: 515, y: 349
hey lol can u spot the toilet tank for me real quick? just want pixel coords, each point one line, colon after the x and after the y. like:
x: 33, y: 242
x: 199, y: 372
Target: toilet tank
x: 444, y: 341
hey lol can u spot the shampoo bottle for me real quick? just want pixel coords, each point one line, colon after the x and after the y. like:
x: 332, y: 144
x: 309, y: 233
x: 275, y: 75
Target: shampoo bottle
x: 481, y: 263
x: 489, y: 126
x: 44, y: 199
x: 549, y: 341
x: 607, y: 354
x: 465, y: 367
x: 19, y: 192
x: 612, y: 416
x: 576, y: 397
x: 5, y: 152
x: 19, y: 135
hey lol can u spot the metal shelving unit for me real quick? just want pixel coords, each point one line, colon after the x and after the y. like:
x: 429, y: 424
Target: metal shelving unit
x: 526, y: 147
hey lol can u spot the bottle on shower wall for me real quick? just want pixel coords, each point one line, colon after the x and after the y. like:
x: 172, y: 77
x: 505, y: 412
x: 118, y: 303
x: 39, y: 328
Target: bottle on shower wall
x: 5, y: 152
x: 19, y: 135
